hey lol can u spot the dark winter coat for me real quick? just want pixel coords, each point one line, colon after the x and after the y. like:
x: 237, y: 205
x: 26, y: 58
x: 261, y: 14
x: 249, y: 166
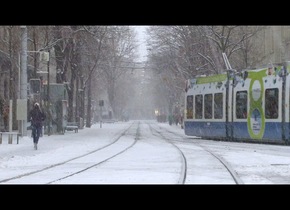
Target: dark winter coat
x: 36, y: 117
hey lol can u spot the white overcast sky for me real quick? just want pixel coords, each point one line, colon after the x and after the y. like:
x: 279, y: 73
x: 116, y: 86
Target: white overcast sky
x: 141, y: 35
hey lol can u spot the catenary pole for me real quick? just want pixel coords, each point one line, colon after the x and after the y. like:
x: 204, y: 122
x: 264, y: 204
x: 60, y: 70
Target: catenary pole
x: 23, y: 75
x: 48, y: 94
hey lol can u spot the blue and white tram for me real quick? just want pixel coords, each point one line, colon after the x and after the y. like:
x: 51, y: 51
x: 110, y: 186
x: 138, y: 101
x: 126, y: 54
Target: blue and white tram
x: 252, y: 105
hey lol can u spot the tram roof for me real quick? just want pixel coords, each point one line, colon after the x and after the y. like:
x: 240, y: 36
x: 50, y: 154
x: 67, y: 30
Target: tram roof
x: 203, y: 79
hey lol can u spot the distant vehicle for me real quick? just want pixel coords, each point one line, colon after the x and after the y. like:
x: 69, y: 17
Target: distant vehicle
x: 250, y: 106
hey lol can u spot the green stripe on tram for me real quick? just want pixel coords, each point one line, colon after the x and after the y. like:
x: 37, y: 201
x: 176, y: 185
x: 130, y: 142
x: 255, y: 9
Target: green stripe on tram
x: 212, y: 78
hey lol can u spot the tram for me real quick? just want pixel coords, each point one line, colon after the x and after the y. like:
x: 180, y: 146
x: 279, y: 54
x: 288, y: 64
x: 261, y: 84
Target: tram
x: 246, y: 106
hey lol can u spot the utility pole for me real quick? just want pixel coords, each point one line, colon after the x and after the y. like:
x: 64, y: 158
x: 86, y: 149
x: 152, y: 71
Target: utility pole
x: 48, y: 94
x: 23, y: 79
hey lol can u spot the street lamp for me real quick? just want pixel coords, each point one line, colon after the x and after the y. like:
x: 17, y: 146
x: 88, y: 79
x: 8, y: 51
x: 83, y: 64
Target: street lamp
x: 48, y: 93
x: 22, y: 101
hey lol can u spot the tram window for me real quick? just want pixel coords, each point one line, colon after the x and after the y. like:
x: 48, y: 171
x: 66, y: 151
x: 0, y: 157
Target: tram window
x: 189, y: 107
x: 198, y: 106
x: 271, y: 103
x: 208, y: 106
x: 241, y: 104
x: 218, y: 105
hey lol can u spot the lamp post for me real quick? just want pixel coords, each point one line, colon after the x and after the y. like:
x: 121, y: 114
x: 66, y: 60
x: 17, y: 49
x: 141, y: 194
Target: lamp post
x: 48, y: 94
x: 23, y: 83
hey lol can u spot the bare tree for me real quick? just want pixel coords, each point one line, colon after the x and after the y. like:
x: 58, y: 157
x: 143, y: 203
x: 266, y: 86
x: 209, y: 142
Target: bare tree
x: 229, y: 40
x: 92, y: 54
x: 10, y: 47
x: 121, y: 46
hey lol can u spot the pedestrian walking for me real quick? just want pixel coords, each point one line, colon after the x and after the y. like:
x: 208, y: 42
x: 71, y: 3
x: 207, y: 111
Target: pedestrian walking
x: 36, y: 117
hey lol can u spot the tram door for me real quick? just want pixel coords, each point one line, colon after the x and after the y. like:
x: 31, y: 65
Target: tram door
x: 229, y: 110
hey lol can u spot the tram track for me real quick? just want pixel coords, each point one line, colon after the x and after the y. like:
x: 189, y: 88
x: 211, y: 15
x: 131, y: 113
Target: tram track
x: 116, y: 147
x: 184, y: 140
x: 183, y: 169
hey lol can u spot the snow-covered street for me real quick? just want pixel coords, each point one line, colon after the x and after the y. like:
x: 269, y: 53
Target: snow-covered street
x: 140, y: 152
